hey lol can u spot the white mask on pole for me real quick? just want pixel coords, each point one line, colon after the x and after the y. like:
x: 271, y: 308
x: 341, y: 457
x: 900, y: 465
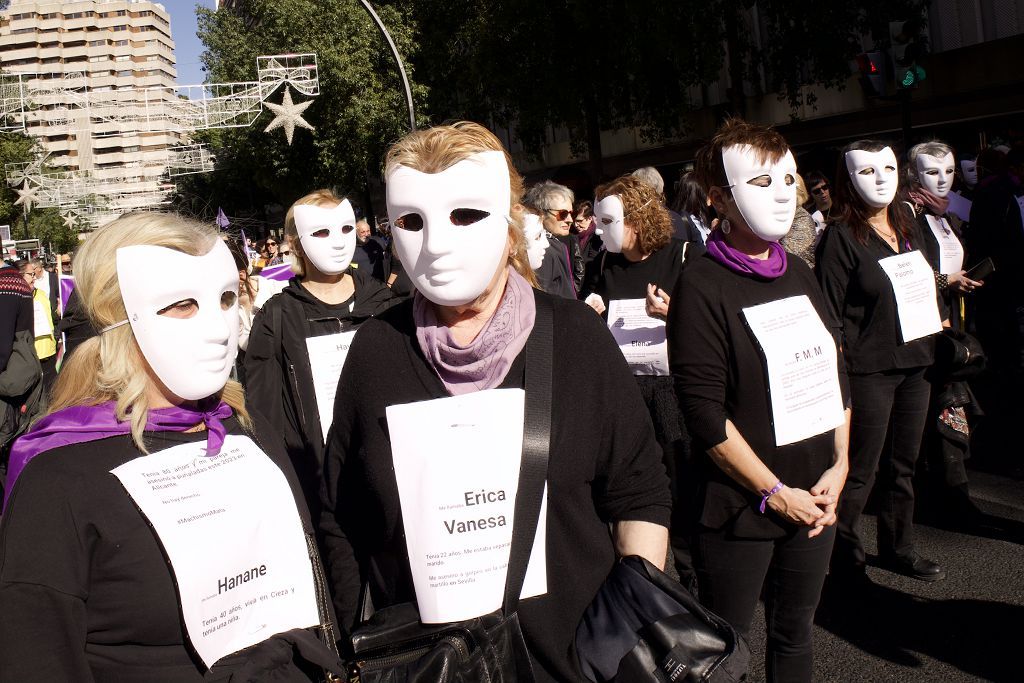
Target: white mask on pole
x: 611, y: 222
x: 451, y: 227
x: 192, y: 355
x: 969, y: 167
x: 764, y: 191
x: 536, y: 239
x: 874, y: 175
x: 327, y: 236
x: 935, y: 174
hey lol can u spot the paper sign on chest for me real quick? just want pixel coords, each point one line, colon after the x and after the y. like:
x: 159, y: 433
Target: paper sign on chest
x: 230, y: 528
x: 457, y: 468
x: 640, y: 337
x: 327, y: 356
x: 803, y: 368
x: 913, y: 283
x: 951, y: 252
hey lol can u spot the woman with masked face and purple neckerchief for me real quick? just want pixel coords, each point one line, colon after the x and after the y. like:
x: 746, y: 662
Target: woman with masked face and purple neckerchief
x: 761, y: 384
x: 95, y: 579
x: 453, y: 197
x: 881, y: 291
x: 290, y: 353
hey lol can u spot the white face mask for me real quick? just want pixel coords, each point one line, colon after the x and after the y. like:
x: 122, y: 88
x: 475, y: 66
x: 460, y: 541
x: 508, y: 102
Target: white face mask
x: 969, y: 167
x: 191, y: 356
x: 935, y: 174
x: 536, y: 239
x: 764, y: 192
x: 327, y: 236
x: 611, y: 222
x: 451, y: 228
x: 874, y: 175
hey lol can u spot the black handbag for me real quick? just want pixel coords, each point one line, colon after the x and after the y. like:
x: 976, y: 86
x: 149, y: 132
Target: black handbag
x: 643, y: 626
x: 392, y: 645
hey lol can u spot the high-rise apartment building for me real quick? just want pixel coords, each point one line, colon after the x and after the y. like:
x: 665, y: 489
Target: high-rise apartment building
x: 88, y: 58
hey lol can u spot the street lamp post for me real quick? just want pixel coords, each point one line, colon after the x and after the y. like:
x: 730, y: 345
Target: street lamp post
x: 398, y: 59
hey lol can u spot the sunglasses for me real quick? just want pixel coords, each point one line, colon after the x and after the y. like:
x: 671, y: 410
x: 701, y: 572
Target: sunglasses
x: 820, y: 189
x: 561, y: 215
x: 65, y: 264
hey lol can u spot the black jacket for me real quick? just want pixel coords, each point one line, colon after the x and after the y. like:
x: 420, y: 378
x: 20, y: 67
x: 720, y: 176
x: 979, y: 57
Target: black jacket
x: 279, y: 378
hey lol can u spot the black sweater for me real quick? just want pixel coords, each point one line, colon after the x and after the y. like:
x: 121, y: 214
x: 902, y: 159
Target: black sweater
x: 613, y: 276
x: 279, y: 377
x: 720, y: 374
x: 605, y: 466
x: 861, y: 301
x: 85, y: 591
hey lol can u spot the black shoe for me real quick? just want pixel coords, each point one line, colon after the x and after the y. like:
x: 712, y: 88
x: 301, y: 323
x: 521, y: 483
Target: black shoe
x: 916, y: 567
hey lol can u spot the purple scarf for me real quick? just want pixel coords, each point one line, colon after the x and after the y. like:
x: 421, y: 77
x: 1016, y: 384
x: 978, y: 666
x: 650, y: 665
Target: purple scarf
x: 735, y: 260
x: 485, y: 362
x: 80, y: 424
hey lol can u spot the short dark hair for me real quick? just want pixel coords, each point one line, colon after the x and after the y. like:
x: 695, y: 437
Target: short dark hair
x: 815, y: 177
x: 768, y: 144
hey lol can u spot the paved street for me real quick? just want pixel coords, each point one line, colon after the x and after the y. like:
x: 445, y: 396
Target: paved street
x: 969, y: 627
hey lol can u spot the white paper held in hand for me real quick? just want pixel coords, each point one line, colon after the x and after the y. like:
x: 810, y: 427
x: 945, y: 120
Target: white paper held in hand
x: 803, y: 368
x: 640, y: 337
x: 327, y: 356
x: 913, y: 283
x: 230, y: 528
x: 457, y: 466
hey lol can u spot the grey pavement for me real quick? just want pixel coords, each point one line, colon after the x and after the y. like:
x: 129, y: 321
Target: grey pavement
x: 969, y: 627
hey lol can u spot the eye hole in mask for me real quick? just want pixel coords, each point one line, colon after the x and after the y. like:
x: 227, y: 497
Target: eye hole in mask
x: 607, y: 221
x: 186, y: 308
x: 413, y: 222
x: 464, y: 217
x: 227, y: 300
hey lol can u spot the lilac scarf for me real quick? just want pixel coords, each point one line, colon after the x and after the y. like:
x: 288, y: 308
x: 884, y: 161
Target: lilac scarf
x: 80, y: 424
x: 735, y: 260
x: 485, y: 362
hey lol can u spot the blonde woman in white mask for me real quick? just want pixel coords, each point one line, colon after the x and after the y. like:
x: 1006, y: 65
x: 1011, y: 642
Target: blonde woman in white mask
x: 300, y: 337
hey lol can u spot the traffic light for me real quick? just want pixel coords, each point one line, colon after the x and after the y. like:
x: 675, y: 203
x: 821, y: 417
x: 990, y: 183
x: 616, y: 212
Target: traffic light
x: 872, y: 73
x: 909, y: 46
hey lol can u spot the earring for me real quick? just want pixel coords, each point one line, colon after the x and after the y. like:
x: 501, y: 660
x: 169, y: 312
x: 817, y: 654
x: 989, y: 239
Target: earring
x: 725, y: 226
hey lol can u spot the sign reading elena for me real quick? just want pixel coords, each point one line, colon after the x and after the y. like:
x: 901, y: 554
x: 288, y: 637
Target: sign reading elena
x: 640, y: 337
x: 237, y: 549
x: 457, y: 466
x: 327, y: 356
x: 803, y: 368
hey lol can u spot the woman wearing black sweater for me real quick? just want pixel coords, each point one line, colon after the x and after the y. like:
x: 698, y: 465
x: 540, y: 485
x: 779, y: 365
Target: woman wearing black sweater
x: 453, y: 198
x: 103, y: 581
x: 761, y: 385
x: 640, y: 266
x: 881, y: 291
x: 318, y: 311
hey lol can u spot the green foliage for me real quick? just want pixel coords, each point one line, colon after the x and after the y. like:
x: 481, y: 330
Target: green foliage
x: 360, y: 110
x: 43, y: 224
x: 15, y: 148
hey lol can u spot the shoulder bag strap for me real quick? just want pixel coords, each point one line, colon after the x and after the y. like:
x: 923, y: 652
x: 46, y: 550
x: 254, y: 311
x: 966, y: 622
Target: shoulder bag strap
x: 536, y: 440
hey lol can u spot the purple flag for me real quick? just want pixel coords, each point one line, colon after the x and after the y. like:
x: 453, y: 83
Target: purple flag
x: 222, y: 220
x: 67, y: 284
x: 282, y: 272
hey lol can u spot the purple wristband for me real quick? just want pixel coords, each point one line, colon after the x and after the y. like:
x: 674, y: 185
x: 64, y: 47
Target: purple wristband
x: 768, y: 494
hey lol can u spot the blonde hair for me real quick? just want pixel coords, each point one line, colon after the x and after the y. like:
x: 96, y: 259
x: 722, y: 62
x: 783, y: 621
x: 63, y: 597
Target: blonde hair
x: 433, y: 150
x: 110, y: 366
x: 643, y: 209
x: 315, y: 198
x: 802, y: 196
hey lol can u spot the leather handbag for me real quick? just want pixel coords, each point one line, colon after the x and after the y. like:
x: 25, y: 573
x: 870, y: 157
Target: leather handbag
x: 392, y: 645
x: 643, y: 626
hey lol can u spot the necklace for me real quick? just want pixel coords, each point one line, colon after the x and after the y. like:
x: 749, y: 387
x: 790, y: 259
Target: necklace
x: 891, y: 238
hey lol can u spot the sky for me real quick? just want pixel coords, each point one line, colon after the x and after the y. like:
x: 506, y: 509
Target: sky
x: 187, y: 45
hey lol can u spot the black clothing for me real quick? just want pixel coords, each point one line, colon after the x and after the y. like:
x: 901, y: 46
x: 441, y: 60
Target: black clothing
x: 402, y: 287
x: 554, y: 275
x: 86, y: 593
x: 613, y: 276
x: 590, y: 249
x: 577, y: 266
x: 604, y: 468
x: 720, y: 374
x: 732, y: 576
x: 889, y: 414
x: 279, y: 377
x: 861, y: 301
x: 377, y: 261
x: 75, y: 325
x: 683, y: 228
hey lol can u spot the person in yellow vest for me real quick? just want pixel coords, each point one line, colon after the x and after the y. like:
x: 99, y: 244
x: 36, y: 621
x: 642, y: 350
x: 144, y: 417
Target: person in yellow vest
x: 46, y: 342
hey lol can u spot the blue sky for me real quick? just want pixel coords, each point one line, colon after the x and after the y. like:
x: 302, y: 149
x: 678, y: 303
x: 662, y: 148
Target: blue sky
x: 187, y: 45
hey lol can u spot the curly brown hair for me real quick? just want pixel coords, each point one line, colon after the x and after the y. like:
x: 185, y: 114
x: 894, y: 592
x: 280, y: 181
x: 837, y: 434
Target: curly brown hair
x: 643, y: 209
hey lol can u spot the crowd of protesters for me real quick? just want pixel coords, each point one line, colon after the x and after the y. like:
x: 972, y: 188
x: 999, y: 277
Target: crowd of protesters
x: 734, y: 372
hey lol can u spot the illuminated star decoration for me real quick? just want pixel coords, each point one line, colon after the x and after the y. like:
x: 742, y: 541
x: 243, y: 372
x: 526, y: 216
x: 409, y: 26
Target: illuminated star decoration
x: 27, y: 196
x: 288, y: 115
x: 69, y: 221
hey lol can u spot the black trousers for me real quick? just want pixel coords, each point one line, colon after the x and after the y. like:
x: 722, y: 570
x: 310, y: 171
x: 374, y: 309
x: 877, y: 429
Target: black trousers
x: 731, y: 573
x: 889, y: 414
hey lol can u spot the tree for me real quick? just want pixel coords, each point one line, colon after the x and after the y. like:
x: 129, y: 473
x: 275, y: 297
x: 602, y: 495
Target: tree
x: 360, y: 109
x: 46, y: 225
x: 15, y: 148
